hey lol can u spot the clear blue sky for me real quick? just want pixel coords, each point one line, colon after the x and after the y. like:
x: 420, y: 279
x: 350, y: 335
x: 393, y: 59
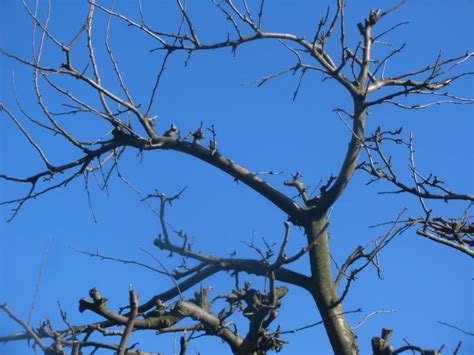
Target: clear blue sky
x: 262, y: 129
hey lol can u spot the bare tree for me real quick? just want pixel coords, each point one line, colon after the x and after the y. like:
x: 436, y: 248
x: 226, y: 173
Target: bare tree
x: 124, y: 124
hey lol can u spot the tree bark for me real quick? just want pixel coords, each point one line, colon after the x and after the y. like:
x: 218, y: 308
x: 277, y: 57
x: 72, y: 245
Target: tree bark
x: 323, y: 290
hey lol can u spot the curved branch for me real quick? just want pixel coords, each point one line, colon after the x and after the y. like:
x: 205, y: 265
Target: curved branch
x: 250, y: 266
x: 349, y: 165
x: 286, y: 204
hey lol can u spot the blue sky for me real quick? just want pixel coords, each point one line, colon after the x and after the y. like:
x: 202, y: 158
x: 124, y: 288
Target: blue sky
x: 262, y: 129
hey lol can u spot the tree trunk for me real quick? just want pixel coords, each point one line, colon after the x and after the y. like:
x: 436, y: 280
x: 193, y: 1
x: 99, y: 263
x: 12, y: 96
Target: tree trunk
x: 343, y: 340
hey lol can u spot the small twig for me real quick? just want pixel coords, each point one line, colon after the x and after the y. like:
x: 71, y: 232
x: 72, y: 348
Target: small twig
x: 456, y: 327
x: 315, y: 324
x: 166, y: 272
x: 371, y: 314
x: 38, y: 281
x: 119, y: 260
